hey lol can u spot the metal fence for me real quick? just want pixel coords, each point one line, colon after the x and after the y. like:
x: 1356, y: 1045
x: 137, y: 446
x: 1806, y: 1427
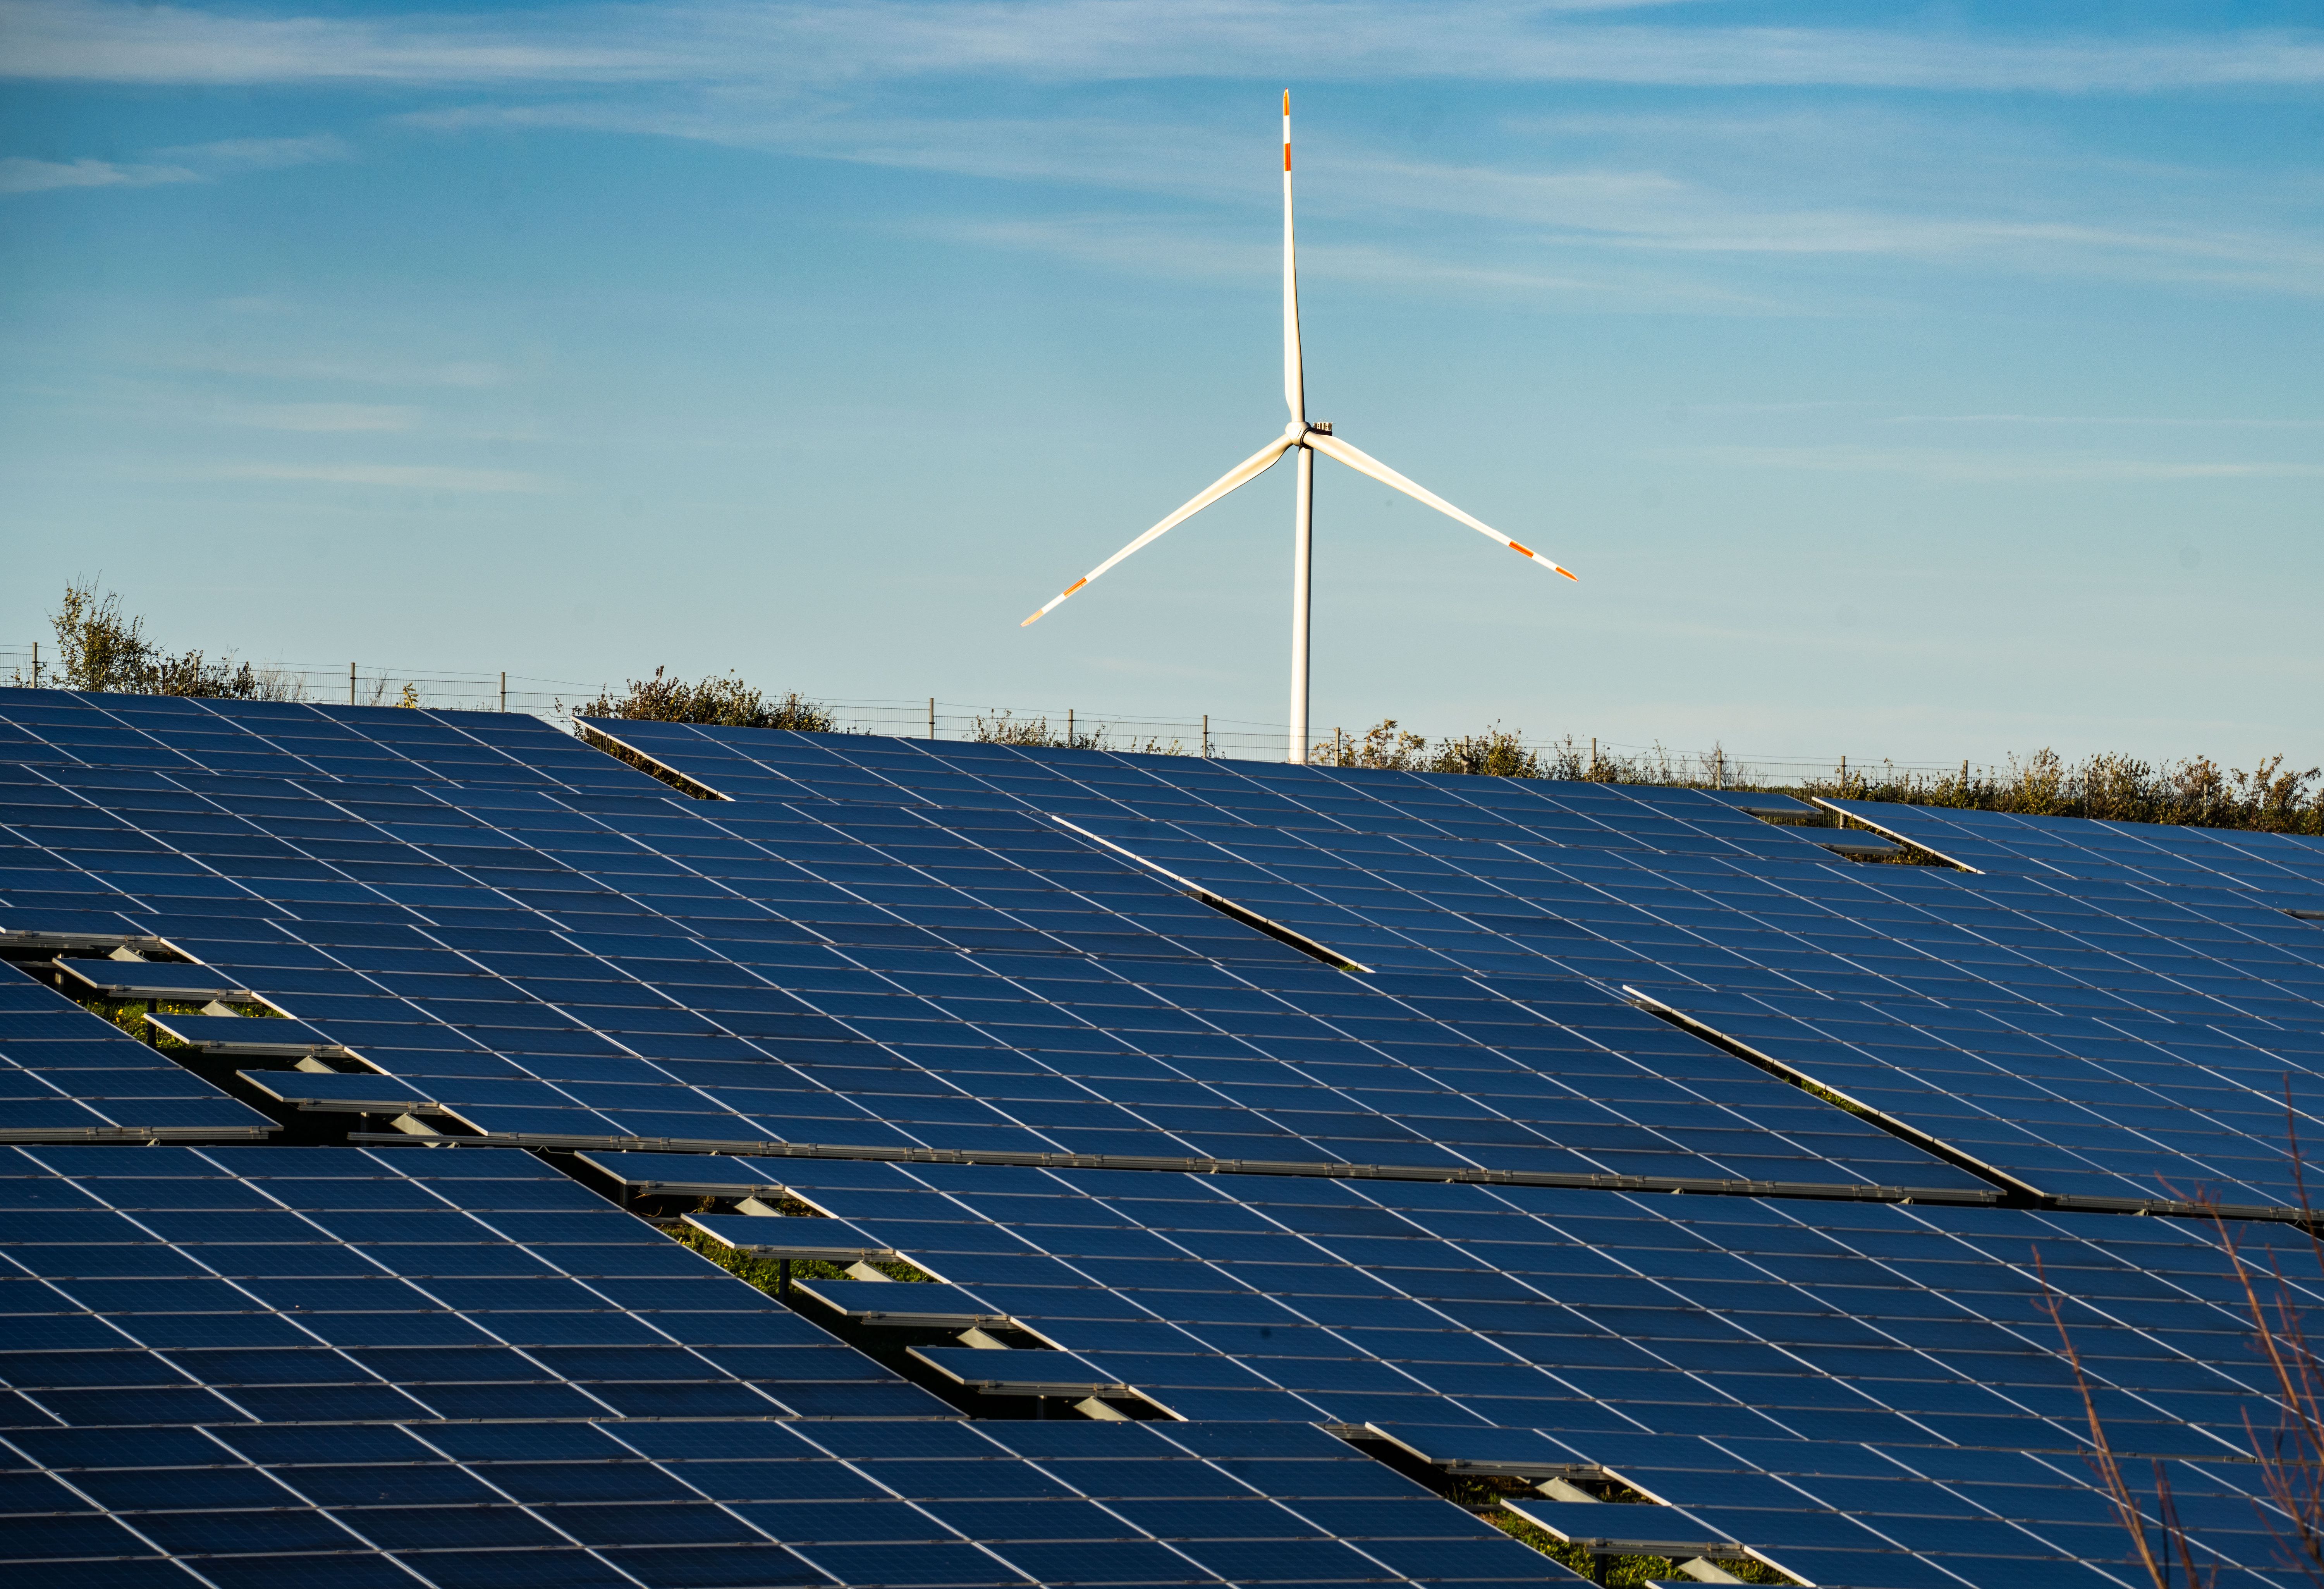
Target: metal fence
x: 367, y: 684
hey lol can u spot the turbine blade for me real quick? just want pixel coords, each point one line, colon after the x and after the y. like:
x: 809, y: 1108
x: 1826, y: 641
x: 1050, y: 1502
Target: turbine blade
x: 1242, y: 473
x: 1294, y: 380
x: 1363, y: 462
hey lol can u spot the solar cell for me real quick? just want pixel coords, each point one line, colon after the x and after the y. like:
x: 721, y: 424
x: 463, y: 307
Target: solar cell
x: 1721, y: 1353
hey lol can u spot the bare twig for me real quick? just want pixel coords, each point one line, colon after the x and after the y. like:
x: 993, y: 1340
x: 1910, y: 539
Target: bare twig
x: 2155, y: 1555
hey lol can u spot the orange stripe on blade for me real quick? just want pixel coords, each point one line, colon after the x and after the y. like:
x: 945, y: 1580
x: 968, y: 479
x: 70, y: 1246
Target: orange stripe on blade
x: 1073, y: 587
x: 1514, y: 547
x: 1287, y: 157
x: 1570, y: 575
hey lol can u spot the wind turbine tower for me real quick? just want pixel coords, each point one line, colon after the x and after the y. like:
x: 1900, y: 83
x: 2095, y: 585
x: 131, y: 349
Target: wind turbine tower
x: 1305, y: 437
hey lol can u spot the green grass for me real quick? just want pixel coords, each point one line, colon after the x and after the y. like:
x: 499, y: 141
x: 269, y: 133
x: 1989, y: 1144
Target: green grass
x: 766, y: 1274
x: 1483, y: 1494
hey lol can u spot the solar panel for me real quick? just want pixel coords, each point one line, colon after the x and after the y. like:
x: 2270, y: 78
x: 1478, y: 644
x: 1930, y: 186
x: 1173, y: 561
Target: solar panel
x: 546, y: 964
x: 268, y: 1364
x: 67, y: 1075
x: 2114, y: 1012
x: 294, y: 739
x: 2083, y: 1046
x: 777, y: 765
x: 1676, y: 1344
x: 2282, y: 869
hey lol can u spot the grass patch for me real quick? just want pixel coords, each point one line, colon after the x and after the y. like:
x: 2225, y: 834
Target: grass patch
x: 1483, y: 1494
x: 766, y: 1274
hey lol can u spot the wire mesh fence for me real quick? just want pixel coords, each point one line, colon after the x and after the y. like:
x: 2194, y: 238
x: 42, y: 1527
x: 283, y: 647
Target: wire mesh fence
x: 367, y: 684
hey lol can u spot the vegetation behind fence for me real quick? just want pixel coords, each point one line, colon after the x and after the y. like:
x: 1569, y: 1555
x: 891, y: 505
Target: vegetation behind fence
x: 98, y: 646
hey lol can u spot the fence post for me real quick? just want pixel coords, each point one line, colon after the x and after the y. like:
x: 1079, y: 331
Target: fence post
x: 36, y: 665
x: 932, y: 717
x: 351, y: 683
x: 1843, y: 778
x: 1207, y: 716
x: 503, y: 689
x: 1593, y: 756
x: 1069, y: 728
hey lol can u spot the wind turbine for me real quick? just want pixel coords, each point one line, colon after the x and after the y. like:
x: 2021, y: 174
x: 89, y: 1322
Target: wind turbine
x: 1306, y: 438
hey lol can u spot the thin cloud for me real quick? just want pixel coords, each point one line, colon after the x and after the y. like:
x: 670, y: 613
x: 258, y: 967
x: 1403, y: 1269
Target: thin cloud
x: 19, y: 174
x: 354, y: 372
x: 261, y: 154
x: 1931, y: 463
x: 324, y: 417
x: 416, y: 476
x: 2163, y: 421
x: 1114, y: 39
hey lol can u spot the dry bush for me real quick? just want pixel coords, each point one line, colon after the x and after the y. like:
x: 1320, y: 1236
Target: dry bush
x: 2194, y: 793
x: 721, y: 698
x: 1004, y: 728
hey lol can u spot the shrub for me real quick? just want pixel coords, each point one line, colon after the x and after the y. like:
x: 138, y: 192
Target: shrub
x: 721, y: 698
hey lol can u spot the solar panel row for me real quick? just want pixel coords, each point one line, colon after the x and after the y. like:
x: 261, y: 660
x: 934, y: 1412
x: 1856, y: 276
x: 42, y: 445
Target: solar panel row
x: 258, y: 1366
x: 284, y: 738
x: 2285, y: 869
x: 538, y: 962
x: 2101, y: 1035
x: 66, y: 1074
x: 1716, y: 1352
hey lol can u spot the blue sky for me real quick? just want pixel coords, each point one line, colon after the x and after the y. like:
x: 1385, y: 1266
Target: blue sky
x: 1917, y: 382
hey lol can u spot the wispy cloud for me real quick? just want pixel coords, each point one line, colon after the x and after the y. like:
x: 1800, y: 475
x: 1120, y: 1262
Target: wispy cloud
x: 1198, y: 250
x: 2142, y: 421
x: 354, y: 372
x: 1933, y: 464
x: 188, y: 162
x: 19, y: 174
x: 1544, y: 213
x: 830, y: 42
x: 416, y: 476
x: 260, y: 154
x: 327, y: 417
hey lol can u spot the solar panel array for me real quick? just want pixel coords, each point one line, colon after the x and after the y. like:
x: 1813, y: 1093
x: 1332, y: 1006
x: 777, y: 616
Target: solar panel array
x: 2283, y: 868
x: 542, y: 962
x: 294, y: 739
x: 2091, y: 1035
x: 67, y: 1074
x: 1696, y: 1346
x: 253, y: 1365
x: 262, y: 1366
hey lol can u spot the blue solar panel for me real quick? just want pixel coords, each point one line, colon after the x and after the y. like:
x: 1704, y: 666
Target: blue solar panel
x: 289, y: 739
x: 67, y: 1075
x: 757, y: 763
x: 1940, y: 999
x: 847, y: 976
x: 891, y: 949
x: 1666, y: 1341
x: 2285, y: 871
x: 275, y: 1364
x: 1884, y: 985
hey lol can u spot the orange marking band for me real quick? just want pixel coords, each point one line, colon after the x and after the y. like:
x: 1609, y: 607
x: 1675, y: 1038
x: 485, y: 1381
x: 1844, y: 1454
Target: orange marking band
x: 1514, y: 547
x: 1073, y: 587
x: 1287, y: 157
x: 1571, y: 575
